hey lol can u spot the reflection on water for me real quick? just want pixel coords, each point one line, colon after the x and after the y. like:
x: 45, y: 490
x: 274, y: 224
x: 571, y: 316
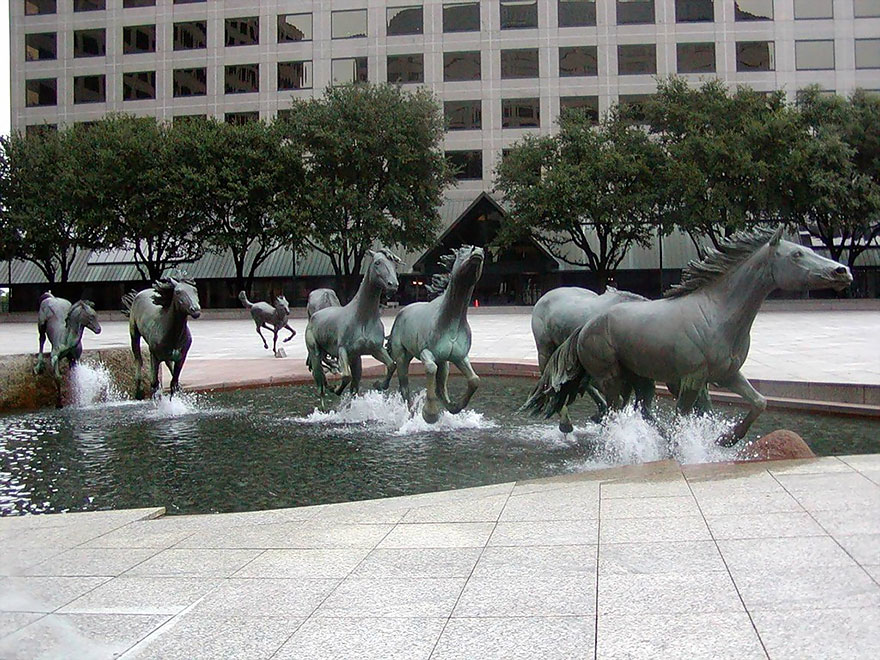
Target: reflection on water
x: 267, y: 448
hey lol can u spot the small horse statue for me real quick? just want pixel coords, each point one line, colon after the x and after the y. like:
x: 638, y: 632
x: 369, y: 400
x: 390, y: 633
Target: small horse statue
x: 271, y: 318
x: 160, y: 315
x: 348, y: 332
x: 697, y: 334
x: 63, y: 323
x: 321, y: 298
x: 437, y: 333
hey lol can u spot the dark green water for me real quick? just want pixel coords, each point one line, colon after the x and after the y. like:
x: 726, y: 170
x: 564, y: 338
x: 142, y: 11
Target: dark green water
x: 260, y: 449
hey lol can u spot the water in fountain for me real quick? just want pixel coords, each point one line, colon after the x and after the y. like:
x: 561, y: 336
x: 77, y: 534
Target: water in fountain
x: 92, y: 383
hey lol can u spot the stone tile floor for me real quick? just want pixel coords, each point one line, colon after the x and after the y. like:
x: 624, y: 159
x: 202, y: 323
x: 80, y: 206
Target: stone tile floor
x: 778, y: 560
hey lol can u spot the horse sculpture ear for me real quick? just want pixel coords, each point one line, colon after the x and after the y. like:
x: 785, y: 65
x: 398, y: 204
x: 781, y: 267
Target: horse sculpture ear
x: 777, y: 235
x: 371, y: 254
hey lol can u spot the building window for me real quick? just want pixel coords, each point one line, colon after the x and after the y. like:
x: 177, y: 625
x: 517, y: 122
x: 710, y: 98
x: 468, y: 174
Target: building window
x: 806, y: 9
x: 348, y: 24
x: 800, y: 95
x: 519, y: 63
x: 753, y: 10
x: 190, y: 82
x: 89, y: 89
x: 41, y: 91
x: 294, y: 27
x: 461, y: 17
x: 190, y: 35
x: 576, y: 13
x: 755, y: 56
x: 521, y: 113
x: 861, y: 8
x: 630, y: 12
x: 187, y: 119
x: 868, y: 53
x: 131, y: 4
x: 589, y: 105
x: 695, y: 57
x: 40, y: 129
x: 406, y: 68
x: 242, y: 78
x: 463, y: 115
x: 243, y: 31
x: 89, y: 43
x: 348, y: 70
x: 404, y: 20
x: 241, y: 118
x: 187, y: 2
x: 88, y: 5
x: 466, y: 164
x: 694, y: 11
x: 519, y: 14
x: 632, y: 106
x: 464, y: 65
x: 578, y: 61
x: 40, y: 46
x: 636, y: 59
x: 139, y: 39
x: 36, y: 7
x: 295, y: 75
x: 138, y: 86
x: 812, y: 55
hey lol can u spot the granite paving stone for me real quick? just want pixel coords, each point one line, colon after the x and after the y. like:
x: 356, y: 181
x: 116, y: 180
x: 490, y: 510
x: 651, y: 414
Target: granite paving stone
x: 551, y: 532
x: 764, y: 525
x: 438, y: 535
x: 12, y: 621
x: 392, y: 597
x: 562, y: 504
x: 94, y: 562
x: 648, y: 488
x: 767, y: 502
x: 303, y: 563
x: 418, y: 563
x: 43, y: 594
x: 194, y: 562
x: 682, y: 557
x: 528, y: 561
x: 864, y: 548
x: 807, y: 587
x: 648, y: 507
x: 626, y: 593
x: 267, y: 597
x: 541, y: 595
x: 484, y: 509
x: 138, y: 535
x: 847, y: 522
x: 848, y: 633
x: 640, y: 530
x: 744, y: 555
x: 141, y: 595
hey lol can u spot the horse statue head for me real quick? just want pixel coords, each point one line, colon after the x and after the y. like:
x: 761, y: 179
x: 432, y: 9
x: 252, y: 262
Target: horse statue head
x: 796, y: 268
x: 177, y: 290
x: 82, y: 314
x: 282, y: 306
x: 383, y: 270
x: 463, y: 266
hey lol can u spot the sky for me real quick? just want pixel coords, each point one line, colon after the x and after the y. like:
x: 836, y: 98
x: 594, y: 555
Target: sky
x: 4, y: 68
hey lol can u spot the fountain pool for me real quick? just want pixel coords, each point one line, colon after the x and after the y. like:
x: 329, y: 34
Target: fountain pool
x: 269, y: 448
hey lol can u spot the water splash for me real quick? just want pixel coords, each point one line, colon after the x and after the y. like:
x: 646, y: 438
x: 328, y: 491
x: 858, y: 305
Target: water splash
x: 179, y: 405
x: 91, y: 383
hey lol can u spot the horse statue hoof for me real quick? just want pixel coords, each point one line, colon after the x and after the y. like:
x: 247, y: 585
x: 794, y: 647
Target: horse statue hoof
x: 566, y: 427
x: 727, y: 440
x: 430, y: 416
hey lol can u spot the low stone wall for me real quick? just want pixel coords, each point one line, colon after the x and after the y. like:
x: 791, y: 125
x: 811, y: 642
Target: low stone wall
x: 21, y: 389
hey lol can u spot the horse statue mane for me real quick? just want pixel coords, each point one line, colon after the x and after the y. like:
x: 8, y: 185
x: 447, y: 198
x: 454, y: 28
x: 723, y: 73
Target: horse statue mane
x: 69, y: 322
x: 163, y: 288
x: 388, y: 254
x: 440, y: 282
x: 731, y: 252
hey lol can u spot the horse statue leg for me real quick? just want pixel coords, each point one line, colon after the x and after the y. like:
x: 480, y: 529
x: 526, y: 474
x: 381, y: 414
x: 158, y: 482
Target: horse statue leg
x: 259, y: 332
x: 383, y: 356
x: 738, y: 384
x: 442, y: 383
x: 402, y: 363
x: 41, y: 360
x: 175, y: 368
x: 344, y: 369
x: 431, y: 411
x: 155, y: 364
x: 473, y: 382
x: 356, y: 368
x: 286, y: 326
x: 315, y: 362
x: 138, y: 363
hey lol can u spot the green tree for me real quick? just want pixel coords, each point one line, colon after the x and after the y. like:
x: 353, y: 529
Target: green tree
x: 374, y: 170
x: 591, y: 188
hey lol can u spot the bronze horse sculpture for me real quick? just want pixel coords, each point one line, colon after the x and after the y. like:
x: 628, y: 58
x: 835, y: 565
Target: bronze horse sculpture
x: 697, y: 334
x: 63, y: 324
x: 350, y: 331
x: 272, y: 318
x: 321, y: 298
x: 437, y: 333
x: 160, y: 315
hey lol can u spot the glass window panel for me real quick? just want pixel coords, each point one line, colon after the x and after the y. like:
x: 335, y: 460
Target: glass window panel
x: 578, y: 61
x: 464, y: 65
x: 40, y: 46
x: 406, y: 68
x: 519, y: 14
x: 521, y: 113
x: 243, y: 31
x: 89, y: 43
x: 348, y: 70
x: 88, y: 5
x: 89, y: 89
x: 755, y: 56
x: 404, y: 20
x: 466, y: 164
x: 694, y: 11
x: 131, y: 4
x: 576, y: 13
x: 461, y: 17
x: 866, y: 8
x: 239, y: 118
x: 242, y: 78
x: 519, y: 63
x: 463, y: 115
x: 631, y: 12
x: 190, y: 35
x: 138, y: 85
x: 294, y: 27
x: 587, y: 104
x: 190, y: 82
x: 139, y: 39
x: 348, y: 24
x: 41, y: 91
x: 695, y: 58
x: 36, y: 7
x: 814, y: 54
x: 753, y: 10
x: 868, y: 53
x: 813, y: 9
x: 295, y: 75
x: 636, y: 59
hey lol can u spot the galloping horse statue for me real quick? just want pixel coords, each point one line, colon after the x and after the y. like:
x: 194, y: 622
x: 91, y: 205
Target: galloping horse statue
x: 63, y: 323
x: 437, y: 333
x: 321, y: 298
x: 697, y: 334
x: 560, y: 312
x: 346, y: 333
x: 271, y: 318
x: 160, y: 315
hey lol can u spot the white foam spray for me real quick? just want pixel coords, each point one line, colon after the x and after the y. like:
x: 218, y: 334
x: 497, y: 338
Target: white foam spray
x: 91, y: 384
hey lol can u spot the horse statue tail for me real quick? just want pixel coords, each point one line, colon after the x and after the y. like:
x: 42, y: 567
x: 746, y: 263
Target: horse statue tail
x: 244, y: 301
x: 561, y: 381
x: 46, y: 296
x: 127, y: 301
